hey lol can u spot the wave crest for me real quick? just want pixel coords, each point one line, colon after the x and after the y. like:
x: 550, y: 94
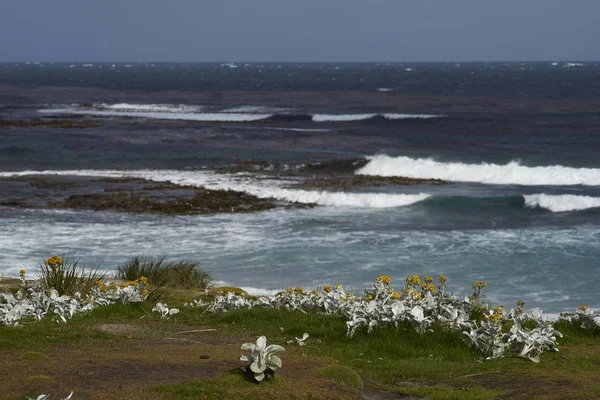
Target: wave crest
x: 508, y: 174
x: 363, y: 117
x: 562, y: 202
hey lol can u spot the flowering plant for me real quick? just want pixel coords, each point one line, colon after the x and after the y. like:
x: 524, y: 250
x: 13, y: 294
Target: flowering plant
x: 419, y: 305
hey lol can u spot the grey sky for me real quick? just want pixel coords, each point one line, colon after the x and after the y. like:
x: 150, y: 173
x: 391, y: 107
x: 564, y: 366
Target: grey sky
x: 300, y: 30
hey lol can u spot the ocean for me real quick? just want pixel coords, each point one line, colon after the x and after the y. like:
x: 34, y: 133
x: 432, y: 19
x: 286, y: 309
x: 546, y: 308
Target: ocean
x: 518, y: 145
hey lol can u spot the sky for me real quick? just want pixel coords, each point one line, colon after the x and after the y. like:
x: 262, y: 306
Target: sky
x: 299, y: 30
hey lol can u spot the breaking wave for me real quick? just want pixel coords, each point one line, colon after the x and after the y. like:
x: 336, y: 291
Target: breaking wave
x: 243, y: 183
x: 237, y: 114
x: 180, y: 116
x: 562, y: 202
x: 512, y: 173
x: 162, y: 108
x: 362, y: 117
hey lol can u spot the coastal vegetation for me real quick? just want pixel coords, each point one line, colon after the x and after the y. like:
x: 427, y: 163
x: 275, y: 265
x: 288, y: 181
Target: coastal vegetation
x: 177, y: 274
x: 109, y: 344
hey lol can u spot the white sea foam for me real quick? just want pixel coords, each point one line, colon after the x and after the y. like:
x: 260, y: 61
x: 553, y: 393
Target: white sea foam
x: 341, y: 117
x: 411, y: 116
x: 512, y: 173
x: 341, y: 199
x: 174, y: 108
x: 244, y: 183
x: 385, y: 90
x: 361, y: 117
x: 181, y: 116
x: 255, y: 109
x: 562, y: 202
x: 298, y: 129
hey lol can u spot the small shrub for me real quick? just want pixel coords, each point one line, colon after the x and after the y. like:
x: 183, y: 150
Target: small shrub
x: 67, y: 277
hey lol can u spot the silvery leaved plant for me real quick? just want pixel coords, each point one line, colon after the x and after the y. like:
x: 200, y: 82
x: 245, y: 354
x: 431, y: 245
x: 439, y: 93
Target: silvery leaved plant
x: 164, y: 310
x: 420, y: 305
x: 588, y: 318
x: 262, y: 359
x: 47, y: 397
x: 302, y: 341
x: 34, y: 300
x: 196, y: 303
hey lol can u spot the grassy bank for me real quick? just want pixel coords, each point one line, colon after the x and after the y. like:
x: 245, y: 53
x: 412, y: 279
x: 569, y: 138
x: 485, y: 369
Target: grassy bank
x: 126, y: 351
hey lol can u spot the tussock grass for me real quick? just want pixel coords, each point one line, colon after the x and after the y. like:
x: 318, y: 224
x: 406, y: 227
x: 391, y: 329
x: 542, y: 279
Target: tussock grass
x: 178, y: 274
x: 67, y: 277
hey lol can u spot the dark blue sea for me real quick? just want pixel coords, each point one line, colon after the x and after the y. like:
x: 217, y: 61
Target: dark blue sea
x: 518, y: 142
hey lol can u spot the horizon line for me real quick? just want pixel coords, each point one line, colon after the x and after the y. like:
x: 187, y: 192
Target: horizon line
x: 296, y: 61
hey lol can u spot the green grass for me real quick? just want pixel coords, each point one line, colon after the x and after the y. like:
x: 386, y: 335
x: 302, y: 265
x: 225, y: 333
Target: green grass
x: 235, y: 381
x: 437, y: 364
x: 180, y: 274
x: 342, y: 374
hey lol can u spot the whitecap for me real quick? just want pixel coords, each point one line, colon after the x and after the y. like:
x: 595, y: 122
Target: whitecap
x: 168, y: 115
x: 562, y: 202
x: 512, y: 173
x: 341, y: 117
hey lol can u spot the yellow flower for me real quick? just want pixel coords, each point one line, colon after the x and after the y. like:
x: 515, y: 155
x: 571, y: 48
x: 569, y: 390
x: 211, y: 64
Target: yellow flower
x: 327, y: 289
x: 443, y: 280
x: 384, y: 279
x: 395, y: 295
x: 499, y: 310
x: 123, y: 285
x: 416, y: 295
x: 103, y: 289
x: 144, y: 280
x: 298, y: 290
x: 112, y: 286
x: 54, y: 261
x: 428, y: 287
x: 22, y: 272
x: 312, y: 292
x: 495, y: 317
x: 337, y: 285
x: 582, y: 308
x: 98, y: 282
x: 145, y: 291
x: 413, y: 280
x: 369, y: 297
x: 479, y: 285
